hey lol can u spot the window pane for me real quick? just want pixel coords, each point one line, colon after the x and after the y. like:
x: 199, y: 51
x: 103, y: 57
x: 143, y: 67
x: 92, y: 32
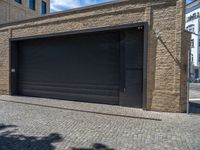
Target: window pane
x: 190, y: 28
x: 192, y: 43
x: 199, y: 57
x: 199, y: 42
x: 32, y: 4
x: 18, y: 1
x: 44, y: 7
x: 192, y: 57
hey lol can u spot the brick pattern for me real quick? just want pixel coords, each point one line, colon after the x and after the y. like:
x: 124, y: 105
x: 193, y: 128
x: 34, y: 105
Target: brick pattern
x: 4, y: 62
x: 166, y: 42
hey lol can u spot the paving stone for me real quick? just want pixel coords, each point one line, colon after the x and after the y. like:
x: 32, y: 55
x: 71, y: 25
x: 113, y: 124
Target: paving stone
x: 34, y: 127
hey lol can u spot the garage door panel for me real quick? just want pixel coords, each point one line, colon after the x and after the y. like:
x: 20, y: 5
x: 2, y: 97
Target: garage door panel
x: 89, y: 62
x: 75, y: 85
x: 72, y: 61
x: 134, y: 76
x: 83, y: 78
x: 66, y: 88
x: 134, y: 48
x: 72, y: 96
x: 133, y: 68
x: 132, y: 96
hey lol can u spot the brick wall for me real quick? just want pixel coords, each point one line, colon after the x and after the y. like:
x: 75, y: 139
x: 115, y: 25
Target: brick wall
x: 166, y: 43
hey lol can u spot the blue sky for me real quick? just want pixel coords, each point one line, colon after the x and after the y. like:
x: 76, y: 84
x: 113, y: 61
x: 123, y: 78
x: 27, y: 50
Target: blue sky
x: 189, y: 1
x: 58, y: 5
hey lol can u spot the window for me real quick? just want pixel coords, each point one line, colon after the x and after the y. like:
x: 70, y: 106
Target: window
x: 190, y: 28
x: 192, y: 57
x: 199, y: 42
x: 44, y: 7
x: 196, y: 72
x: 192, y: 43
x: 18, y: 1
x: 199, y: 57
x: 199, y: 27
x: 193, y: 16
x: 32, y: 4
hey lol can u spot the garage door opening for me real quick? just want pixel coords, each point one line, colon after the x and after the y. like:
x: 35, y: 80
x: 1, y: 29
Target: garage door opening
x: 101, y: 66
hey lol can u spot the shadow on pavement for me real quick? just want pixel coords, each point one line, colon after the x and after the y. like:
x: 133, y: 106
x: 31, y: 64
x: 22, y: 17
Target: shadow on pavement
x: 10, y: 140
x: 96, y: 146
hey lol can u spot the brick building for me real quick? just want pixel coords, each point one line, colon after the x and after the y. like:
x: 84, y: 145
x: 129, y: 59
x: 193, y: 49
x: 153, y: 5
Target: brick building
x: 13, y: 10
x: 128, y: 53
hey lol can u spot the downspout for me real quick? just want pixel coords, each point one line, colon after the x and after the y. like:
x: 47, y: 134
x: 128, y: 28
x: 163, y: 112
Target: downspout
x: 188, y: 81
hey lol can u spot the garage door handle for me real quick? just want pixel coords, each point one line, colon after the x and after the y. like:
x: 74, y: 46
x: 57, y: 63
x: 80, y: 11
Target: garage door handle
x: 13, y: 70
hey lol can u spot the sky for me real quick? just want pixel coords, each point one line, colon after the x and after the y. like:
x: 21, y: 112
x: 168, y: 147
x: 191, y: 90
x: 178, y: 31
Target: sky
x: 59, y: 5
x: 189, y: 1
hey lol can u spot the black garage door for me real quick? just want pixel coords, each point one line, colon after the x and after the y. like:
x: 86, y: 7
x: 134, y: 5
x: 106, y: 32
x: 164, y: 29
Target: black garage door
x: 101, y: 67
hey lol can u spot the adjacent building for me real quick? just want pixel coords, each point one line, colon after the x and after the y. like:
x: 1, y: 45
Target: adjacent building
x: 13, y: 10
x: 193, y: 25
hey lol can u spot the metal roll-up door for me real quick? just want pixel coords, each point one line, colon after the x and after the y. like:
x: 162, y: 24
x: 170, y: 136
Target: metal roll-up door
x: 83, y: 67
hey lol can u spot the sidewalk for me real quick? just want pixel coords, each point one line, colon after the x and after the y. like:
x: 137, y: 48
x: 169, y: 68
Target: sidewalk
x: 46, y: 124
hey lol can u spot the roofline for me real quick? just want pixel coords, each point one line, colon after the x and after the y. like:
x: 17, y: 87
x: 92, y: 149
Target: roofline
x: 61, y: 13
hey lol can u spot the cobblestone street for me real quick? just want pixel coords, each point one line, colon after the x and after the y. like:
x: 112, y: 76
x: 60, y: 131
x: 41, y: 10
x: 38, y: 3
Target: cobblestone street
x: 44, y: 124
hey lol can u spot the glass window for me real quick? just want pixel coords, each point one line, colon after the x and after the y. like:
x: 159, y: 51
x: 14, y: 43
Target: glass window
x: 199, y: 42
x: 32, y: 4
x: 199, y: 57
x: 190, y: 28
x: 199, y: 27
x: 18, y: 1
x: 44, y: 7
x: 192, y: 58
x: 192, y: 43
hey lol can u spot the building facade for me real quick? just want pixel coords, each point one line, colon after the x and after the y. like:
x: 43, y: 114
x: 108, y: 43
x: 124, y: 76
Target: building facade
x: 193, y: 25
x: 123, y: 53
x: 13, y: 10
